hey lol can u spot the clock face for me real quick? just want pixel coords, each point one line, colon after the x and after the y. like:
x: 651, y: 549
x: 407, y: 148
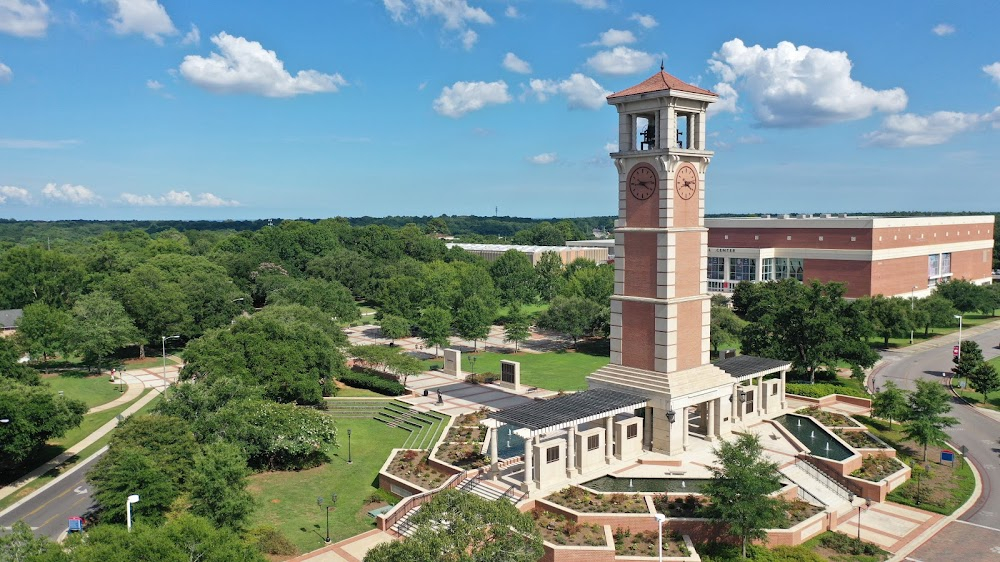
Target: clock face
x: 642, y: 182
x: 686, y: 181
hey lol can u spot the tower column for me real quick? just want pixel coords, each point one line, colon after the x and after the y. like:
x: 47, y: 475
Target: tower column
x: 570, y: 451
x: 608, y: 439
x: 529, y: 472
x: 711, y: 425
x: 685, y: 426
x: 495, y: 451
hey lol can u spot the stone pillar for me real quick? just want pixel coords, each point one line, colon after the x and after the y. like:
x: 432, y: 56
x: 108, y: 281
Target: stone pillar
x: 781, y: 390
x: 609, y: 439
x: 495, y: 451
x: 570, y: 451
x: 710, y: 424
x: 736, y: 402
x: 684, y: 427
x: 528, y: 464
x: 647, y: 429
x: 759, y: 402
x: 717, y: 425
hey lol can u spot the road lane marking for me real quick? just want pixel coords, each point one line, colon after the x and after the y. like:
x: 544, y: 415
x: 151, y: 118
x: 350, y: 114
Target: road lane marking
x: 978, y: 525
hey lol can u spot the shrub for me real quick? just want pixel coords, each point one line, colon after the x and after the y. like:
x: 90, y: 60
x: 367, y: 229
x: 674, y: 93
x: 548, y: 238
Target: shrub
x: 844, y: 544
x: 820, y: 390
x: 371, y: 382
x: 270, y: 540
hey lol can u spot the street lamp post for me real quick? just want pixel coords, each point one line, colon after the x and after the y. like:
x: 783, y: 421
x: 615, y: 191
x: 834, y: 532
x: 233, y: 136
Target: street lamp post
x: 959, y: 316
x: 134, y: 498
x: 163, y: 341
x: 333, y: 504
x: 473, y: 359
x: 349, y: 460
x: 660, y: 518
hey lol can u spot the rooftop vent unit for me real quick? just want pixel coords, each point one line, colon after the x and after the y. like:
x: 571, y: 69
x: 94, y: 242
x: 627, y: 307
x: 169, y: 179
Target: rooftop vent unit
x: 786, y: 216
x: 827, y: 215
x: 843, y: 215
x: 805, y: 216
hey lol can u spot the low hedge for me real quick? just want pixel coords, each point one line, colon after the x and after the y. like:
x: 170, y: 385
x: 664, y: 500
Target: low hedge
x: 820, y: 390
x: 371, y: 382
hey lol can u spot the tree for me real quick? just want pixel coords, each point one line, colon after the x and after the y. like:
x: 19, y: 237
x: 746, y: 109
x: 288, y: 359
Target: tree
x: 329, y: 296
x: 890, y: 403
x: 741, y: 487
x: 939, y: 312
x: 11, y: 367
x: 549, y: 275
x: 927, y: 406
x: 460, y: 527
x: 984, y: 379
x: 132, y: 471
x: 36, y: 414
x: 726, y: 326
x: 517, y: 326
x: 966, y: 296
x: 474, y: 320
x: 218, y: 486
x: 435, y: 326
x: 514, y: 277
x: 991, y: 299
x: 593, y: 283
x: 970, y: 356
x: 99, y: 328
x: 890, y: 316
x: 41, y: 331
x: 21, y: 545
x: 573, y: 316
x: 394, y: 327
x: 153, y: 302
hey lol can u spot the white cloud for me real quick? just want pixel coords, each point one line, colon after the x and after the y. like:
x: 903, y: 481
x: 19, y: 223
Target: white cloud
x: 34, y: 143
x: 5, y: 73
x: 581, y: 91
x: 620, y: 61
x: 514, y: 63
x: 511, y: 12
x: 592, y: 4
x: 908, y: 129
x: 728, y: 96
x: 469, y: 38
x: 994, y: 71
x: 245, y: 67
x: 24, y: 18
x: 463, y: 97
x: 14, y: 194
x: 543, y: 158
x: 943, y: 29
x: 68, y: 193
x: 611, y: 147
x: 750, y: 139
x: 791, y: 86
x: 154, y: 84
x: 145, y: 17
x: 177, y: 199
x: 192, y: 37
x: 645, y: 20
x: 613, y: 37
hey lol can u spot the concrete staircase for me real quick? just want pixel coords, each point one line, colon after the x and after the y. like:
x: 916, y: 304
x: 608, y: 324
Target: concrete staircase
x: 404, y: 527
x: 489, y: 490
x: 424, y: 427
x: 814, y: 486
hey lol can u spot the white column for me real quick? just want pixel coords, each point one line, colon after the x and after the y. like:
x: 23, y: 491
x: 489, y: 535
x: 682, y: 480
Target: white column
x: 735, y: 402
x: 684, y: 427
x: 781, y: 390
x: 710, y: 430
x: 528, y: 464
x: 608, y: 439
x: 570, y: 451
x: 760, y: 395
x: 717, y: 418
x: 495, y: 451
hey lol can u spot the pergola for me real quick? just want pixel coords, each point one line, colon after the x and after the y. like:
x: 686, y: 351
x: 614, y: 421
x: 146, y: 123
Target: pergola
x: 546, y: 416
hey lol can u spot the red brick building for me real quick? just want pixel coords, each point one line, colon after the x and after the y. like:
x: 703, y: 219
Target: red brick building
x: 872, y: 255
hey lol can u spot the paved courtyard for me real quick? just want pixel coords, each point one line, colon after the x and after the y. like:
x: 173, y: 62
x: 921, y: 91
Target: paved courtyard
x: 538, y: 342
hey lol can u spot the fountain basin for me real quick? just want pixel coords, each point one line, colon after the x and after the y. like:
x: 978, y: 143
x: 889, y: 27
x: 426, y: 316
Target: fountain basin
x: 658, y: 485
x: 820, y: 441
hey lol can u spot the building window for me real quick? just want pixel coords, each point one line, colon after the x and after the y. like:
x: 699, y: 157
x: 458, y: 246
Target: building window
x: 716, y: 268
x: 593, y: 442
x: 933, y: 266
x: 756, y: 236
x: 789, y: 237
x: 767, y: 272
x: 820, y: 238
x: 795, y: 269
x: 632, y: 431
x: 742, y: 269
x: 552, y: 455
x: 946, y: 264
x: 780, y: 268
x: 854, y: 238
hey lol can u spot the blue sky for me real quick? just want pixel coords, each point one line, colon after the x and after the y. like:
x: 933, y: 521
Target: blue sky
x: 216, y: 109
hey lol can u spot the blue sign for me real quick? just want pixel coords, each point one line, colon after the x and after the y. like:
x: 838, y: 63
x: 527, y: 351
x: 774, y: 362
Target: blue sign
x: 947, y: 455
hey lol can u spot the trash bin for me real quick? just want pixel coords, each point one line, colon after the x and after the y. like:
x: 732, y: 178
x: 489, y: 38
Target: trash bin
x: 425, y: 392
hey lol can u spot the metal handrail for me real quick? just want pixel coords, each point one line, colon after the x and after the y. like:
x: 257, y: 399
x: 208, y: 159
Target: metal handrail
x: 406, y: 504
x: 824, y: 478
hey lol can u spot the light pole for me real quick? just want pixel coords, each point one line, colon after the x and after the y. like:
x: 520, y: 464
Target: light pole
x: 349, y: 461
x: 959, y: 316
x: 660, y: 518
x: 319, y: 502
x: 914, y: 288
x: 473, y: 359
x: 163, y: 341
x: 134, y: 498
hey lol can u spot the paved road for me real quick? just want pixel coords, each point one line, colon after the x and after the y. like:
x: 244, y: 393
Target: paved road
x: 979, y: 433
x: 48, y: 511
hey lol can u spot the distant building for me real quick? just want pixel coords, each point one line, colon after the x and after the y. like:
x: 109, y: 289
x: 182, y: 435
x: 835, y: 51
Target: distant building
x: 873, y: 255
x: 490, y: 252
x: 8, y: 321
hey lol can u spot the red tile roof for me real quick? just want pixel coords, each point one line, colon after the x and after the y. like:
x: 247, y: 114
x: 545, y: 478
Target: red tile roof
x: 659, y: 82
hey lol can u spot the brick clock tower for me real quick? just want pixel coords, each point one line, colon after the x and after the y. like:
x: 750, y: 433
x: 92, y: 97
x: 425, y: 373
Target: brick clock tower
x: 660, y: 311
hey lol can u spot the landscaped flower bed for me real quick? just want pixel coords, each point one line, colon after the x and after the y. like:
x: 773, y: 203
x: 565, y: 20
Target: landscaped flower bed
x: 858, y: 439
x: 875, y: 468
x: 559, y: 530
x: 584, y: 501
x: 473, y: 418
x: 462, y: 455
x: 828, y: 419
x: 412, y: 466
x: 645, y: 543
x: 798, y: 511
x: 466, y: 434
x: 688, y: 506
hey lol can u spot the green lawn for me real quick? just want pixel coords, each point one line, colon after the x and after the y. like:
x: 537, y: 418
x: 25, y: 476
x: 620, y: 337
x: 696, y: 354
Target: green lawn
x: 147, y: 363
x: 287, y: 500
x: 992, y: 399
x: 557, y: 370
x: 351, y: 392
x: 92, y: 390
x: 968, y: 321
